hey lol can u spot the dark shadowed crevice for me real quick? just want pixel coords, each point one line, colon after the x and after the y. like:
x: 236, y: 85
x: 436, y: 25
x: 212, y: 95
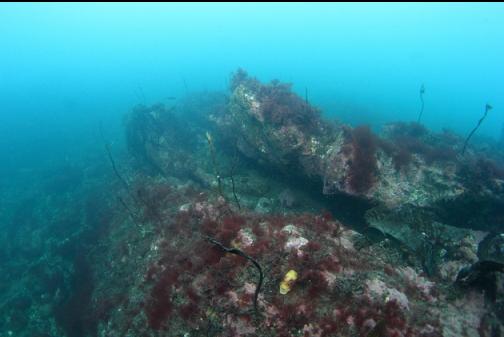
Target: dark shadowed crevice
x: 348, y: 209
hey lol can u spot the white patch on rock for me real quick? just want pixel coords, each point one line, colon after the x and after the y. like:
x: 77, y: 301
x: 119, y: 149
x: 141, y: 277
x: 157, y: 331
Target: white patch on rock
x: 295, y: 243
x: 245, y: 238
x: 377, y: 289
x: 290, y: 229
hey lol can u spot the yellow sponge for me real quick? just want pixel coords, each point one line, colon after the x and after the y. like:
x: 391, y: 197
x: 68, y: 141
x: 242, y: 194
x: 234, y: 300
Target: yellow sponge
x: 288, y: 281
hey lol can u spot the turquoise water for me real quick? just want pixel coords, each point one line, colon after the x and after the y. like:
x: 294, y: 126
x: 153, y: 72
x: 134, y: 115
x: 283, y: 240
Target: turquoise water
x: 64, y: 68
x: 97, y: 180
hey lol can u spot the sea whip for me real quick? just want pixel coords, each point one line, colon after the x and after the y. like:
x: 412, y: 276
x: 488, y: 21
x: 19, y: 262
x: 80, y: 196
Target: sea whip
x: 251, y: 259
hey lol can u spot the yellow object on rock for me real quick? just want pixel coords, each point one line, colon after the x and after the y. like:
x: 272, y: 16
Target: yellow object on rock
x: 288, y: 281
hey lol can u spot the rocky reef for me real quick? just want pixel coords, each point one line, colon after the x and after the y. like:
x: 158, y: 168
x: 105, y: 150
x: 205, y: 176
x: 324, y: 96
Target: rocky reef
x: 355, y: 233
x: 406, y: 165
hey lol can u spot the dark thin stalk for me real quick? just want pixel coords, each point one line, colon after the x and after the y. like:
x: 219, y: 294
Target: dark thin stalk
x: 114, y: 168
x: 233, y: 168
x: 238, y: 252
x: 422, y: 91
x: 112, y: 161
x: 132, y: 215
x: 234, y: 193
x: 215, y: 164
x: 488, y: 107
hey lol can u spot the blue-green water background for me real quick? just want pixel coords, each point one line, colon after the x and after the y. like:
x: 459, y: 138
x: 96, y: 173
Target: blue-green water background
x: 67, y: 68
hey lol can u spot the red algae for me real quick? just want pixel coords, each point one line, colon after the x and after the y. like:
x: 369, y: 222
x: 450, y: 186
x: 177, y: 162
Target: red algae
x: 198, y: 280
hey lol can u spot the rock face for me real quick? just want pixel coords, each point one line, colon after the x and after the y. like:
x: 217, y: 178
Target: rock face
x: 274, y: 126
x: 409, y: 165
x: 414, y: 185
x: 134, y: 252
x: 432, y: 206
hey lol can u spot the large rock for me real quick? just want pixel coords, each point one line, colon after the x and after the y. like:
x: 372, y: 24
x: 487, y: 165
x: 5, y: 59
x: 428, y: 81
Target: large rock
x: 276, y: 129
x: 409, y: 165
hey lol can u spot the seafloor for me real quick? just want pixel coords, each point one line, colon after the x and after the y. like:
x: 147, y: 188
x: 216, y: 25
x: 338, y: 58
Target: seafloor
x: 257, y: 216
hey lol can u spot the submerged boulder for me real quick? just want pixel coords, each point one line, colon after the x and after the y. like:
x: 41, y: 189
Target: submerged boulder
x: 280, y: 134
x: 408, y: 165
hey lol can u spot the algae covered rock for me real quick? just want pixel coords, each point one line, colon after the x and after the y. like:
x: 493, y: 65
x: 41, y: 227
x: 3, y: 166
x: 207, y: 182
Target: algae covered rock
x: 408, y: 164
x: 268, y: 125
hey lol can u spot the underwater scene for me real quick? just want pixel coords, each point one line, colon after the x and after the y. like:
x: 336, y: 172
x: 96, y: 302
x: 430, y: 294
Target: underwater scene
x: 255, y: 169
